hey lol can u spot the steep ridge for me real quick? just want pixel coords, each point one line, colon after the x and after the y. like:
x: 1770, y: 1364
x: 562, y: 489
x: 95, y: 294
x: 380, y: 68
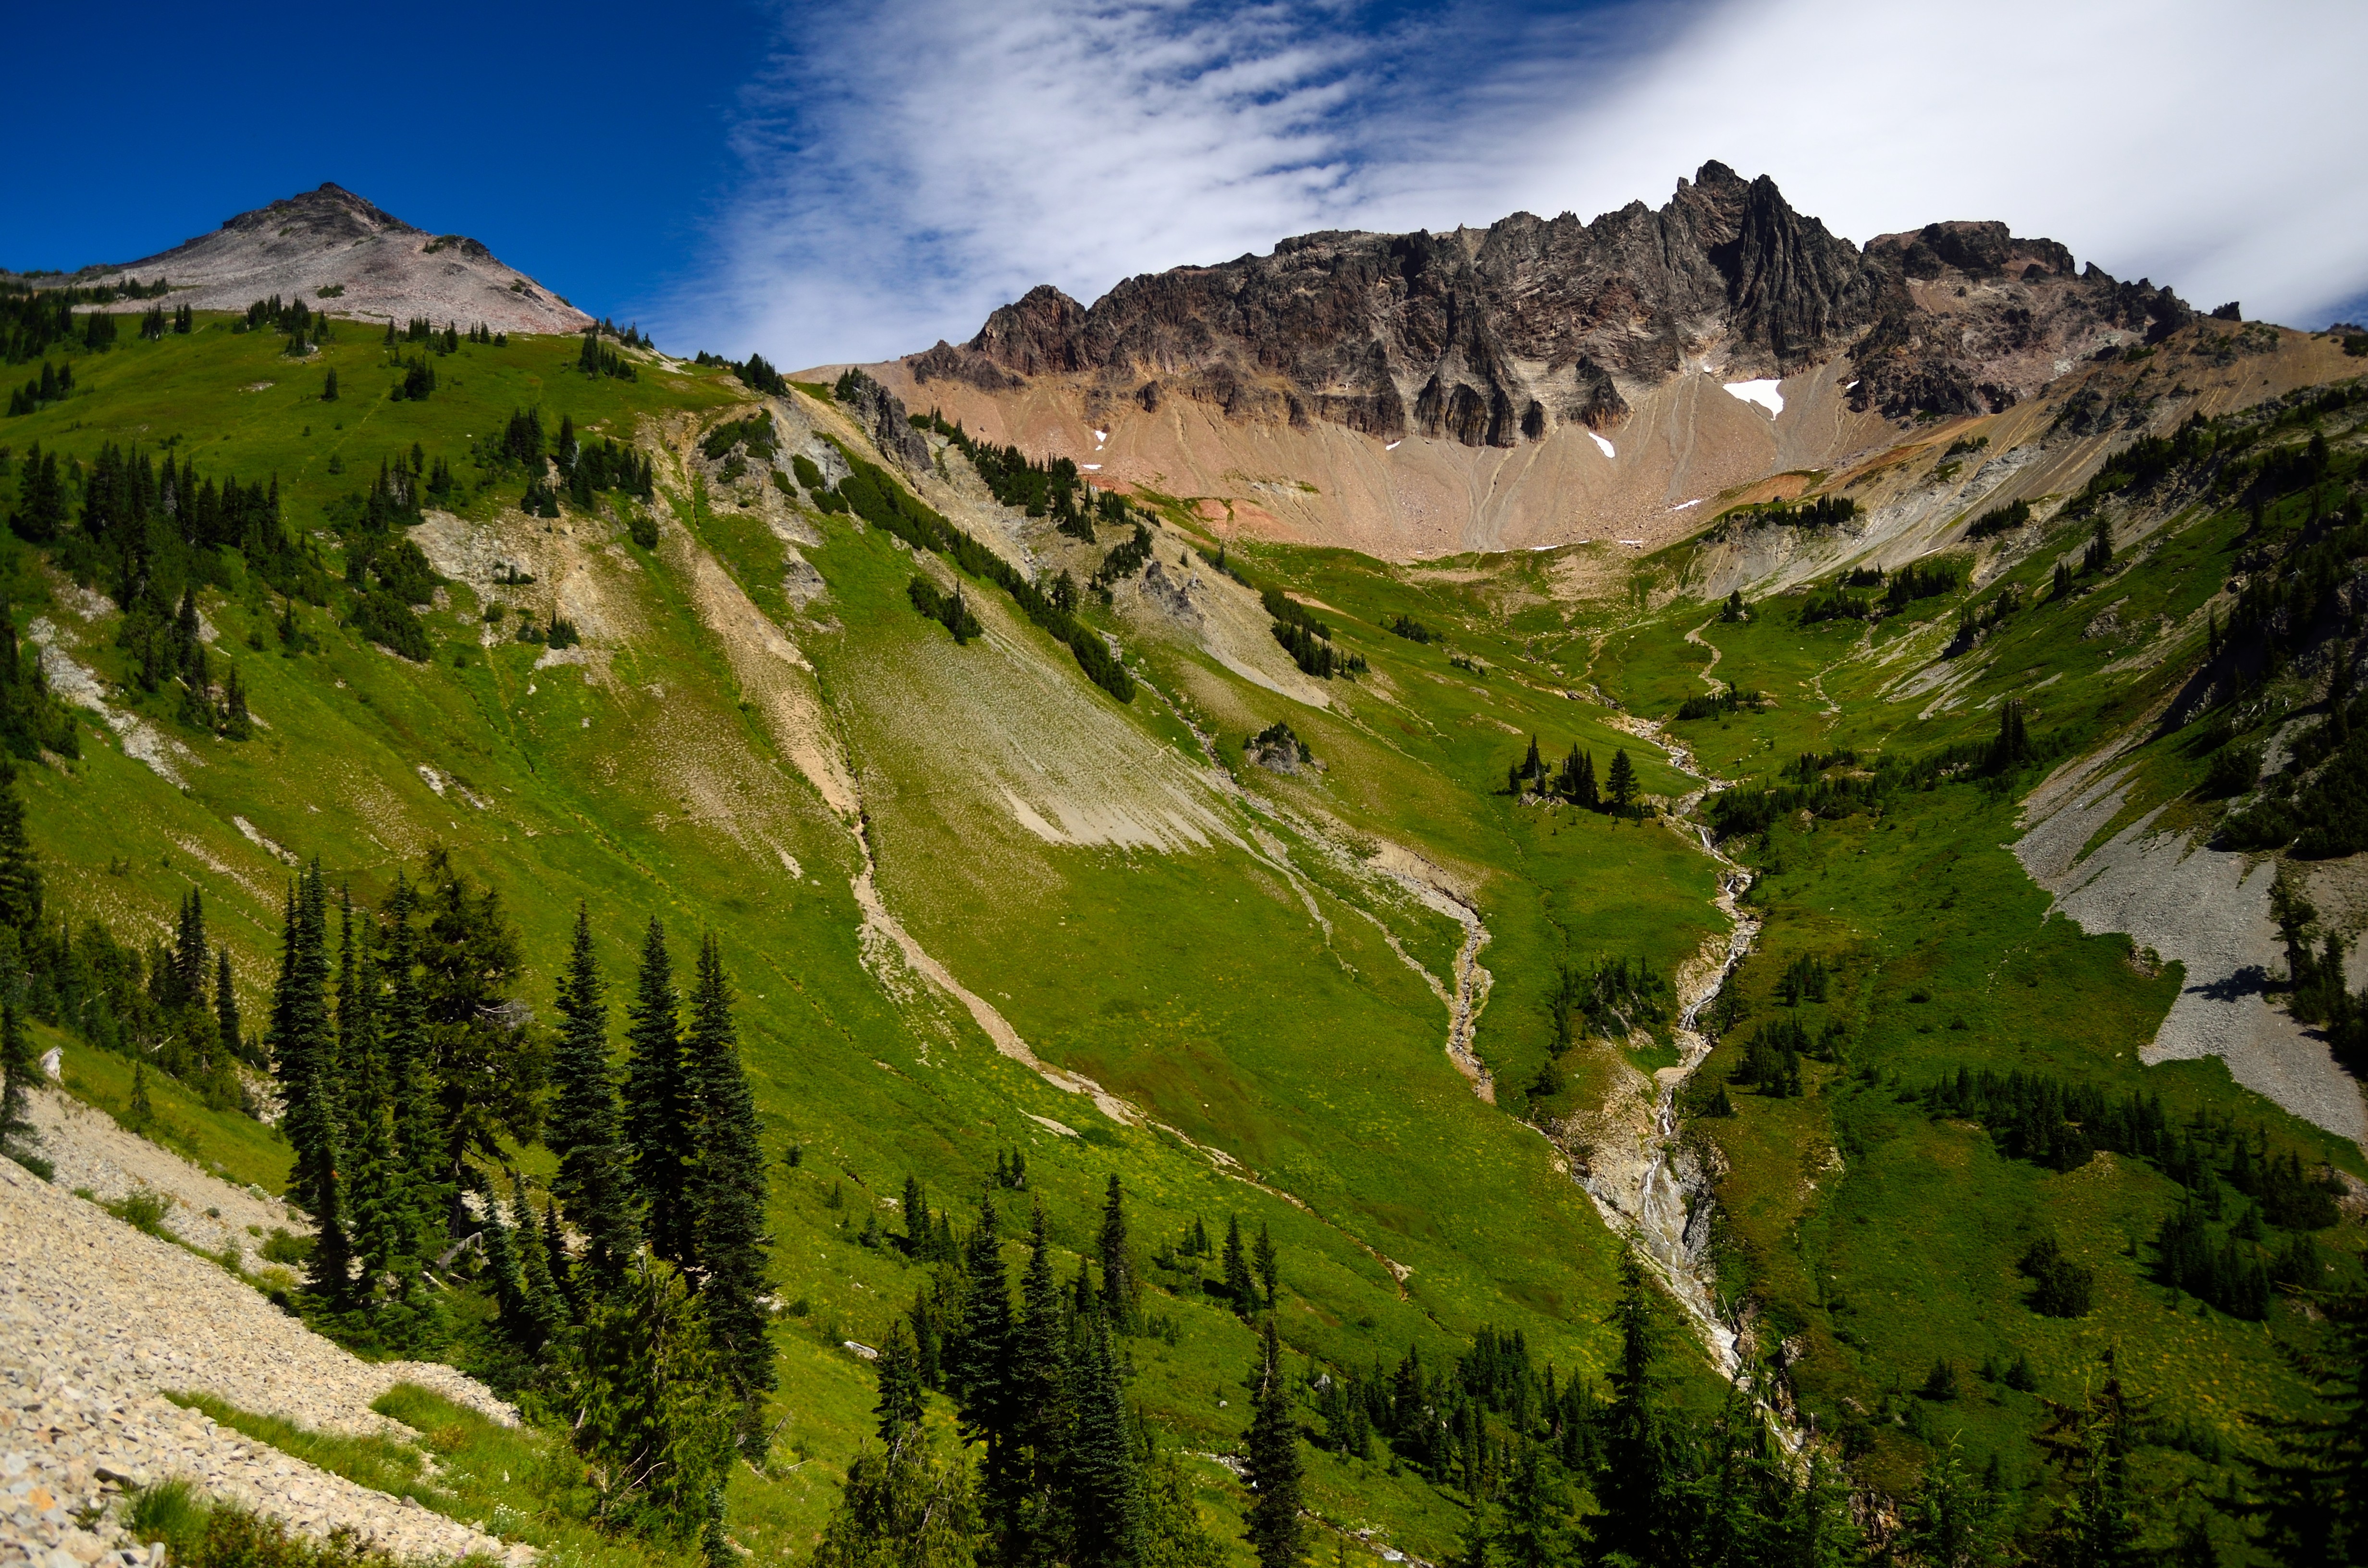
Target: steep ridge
x: 1539, y: 382
x: 337, y: 251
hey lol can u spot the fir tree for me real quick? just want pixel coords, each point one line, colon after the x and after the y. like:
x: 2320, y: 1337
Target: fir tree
x: 19, y: 1070
x: 2099, y: 1524
x: 419, y: 1184
x: 657, y: 1104
x: 1536, y: 1520
x: 329, y: 386
x: 1262, y: 1259
x: 1636, y: 1478
x: 1101, y: 1486
x: 2311, y: 1489
x: 228, y: 1028
x: 728, y: 1193
x: 1238, y: 1287
x: 20, y: 868
x: 303, y: 1048
x: 583, y: 1128
x: 544, y: 1307
x: 1620, y: 786
x: 1117, y: 1270
x: 903, y: 1395
x: 919, y: 1237
x: 1040, y: 1362
x: 980, y: 1369
x: 1274, y: 1528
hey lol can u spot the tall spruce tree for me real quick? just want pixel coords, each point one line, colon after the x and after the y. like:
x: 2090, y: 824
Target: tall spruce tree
x: 1101, y: 1484
x: 1267, y: 1266
x: 902, y: 1394
x: 657, y: 1104
x: 727, y: 1191
x: 422, y: 1184
x: 1620, y: 786
x: 582, y: 1128
x: 1274, y: 1528
x: 543, y: 1308
x: 1040, y: 1375
x: 1239, y: 1289
x: 20, y: 867
x: 227, y: 1026
x: 303, y: 1050
x: 1637, y: 1476
x: 979, y: 1367
x: 1118, y: 1286
x: 2311, y: 1488
x: 1535, y: 1525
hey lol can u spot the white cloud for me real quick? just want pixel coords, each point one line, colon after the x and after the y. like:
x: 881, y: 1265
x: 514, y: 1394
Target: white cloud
x: 916, y: 162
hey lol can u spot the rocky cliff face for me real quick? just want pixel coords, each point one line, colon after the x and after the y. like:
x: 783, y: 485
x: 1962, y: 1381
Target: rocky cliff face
x: 1494, y: 337
x: 341, y: 253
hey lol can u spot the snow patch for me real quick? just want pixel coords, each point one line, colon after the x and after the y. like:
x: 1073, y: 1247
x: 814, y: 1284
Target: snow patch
x: 1091, y: 468
x: 1683, y: 504
x: 1601, y: 442
x: 1762, y: 392
x: 1393, y: 444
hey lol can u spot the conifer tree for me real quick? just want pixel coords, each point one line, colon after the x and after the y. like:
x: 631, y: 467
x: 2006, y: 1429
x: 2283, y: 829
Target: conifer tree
x: 20, y: 868
x: 917, y: 1234
x: 19, y: 1070
x: 2311, y: 1488
x: 501, y: 1277
x: 1636, y: 1478
x: 583, y: 1128
x: 980, y: 1367
x: 1536, y: 1513
x: 381, y: 1234
x: 657, y: 1104
x: 1238, y: 1287
x: 557, y: 1269
x: 1118, y: 1271
x: 329, y: 386
x: 1262, y: 1259
x: 728, y: 1192
x: 902, y: 1394
x: 304, y: 1059
x: 1040, y: 1367
x: 1620, y: 788
x: 1101, y: 1485
x: 227, y: 1026
x: 543, y: 1305
x: 1534, y: 771
x: 2097, y: 1526
x: 1274, y: 1528
x: 421, y: 1185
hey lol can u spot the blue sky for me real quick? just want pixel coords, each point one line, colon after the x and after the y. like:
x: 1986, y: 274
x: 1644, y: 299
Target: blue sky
x: 841, y: 182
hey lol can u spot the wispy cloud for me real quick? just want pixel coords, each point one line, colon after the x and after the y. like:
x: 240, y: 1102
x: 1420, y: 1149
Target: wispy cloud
x: 914, y: 163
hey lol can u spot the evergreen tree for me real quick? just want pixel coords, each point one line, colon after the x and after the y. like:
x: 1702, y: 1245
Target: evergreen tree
x: 1620, y: 788
x: 1238, y: 1287
x: 304, y: 1048
x: 919, y: 1237
x: 980, y: 1369
x: 227, y: 1026
x: 1534, y: 771
x: 19, y: 1071
x: 657, y: 1104
x: 903, y: 1395
x: 1536, y: 1519
x: 2097, y: 1526
x: 2311, y: 1489
x: 420, y: 1185
x: 728, y: 1194
x: 1100, y: 1483
x: 583, y: 1128
x: 1040, y: 1367
x: 902, y: 1508
x: 652, y: 1412
x: 20, y: 868
x: 1636, y: 1478
x: 1117, y: 1270
x: 1274, y: 1528
x: 329, y: 386
x: 1953, y: 1521
x: 501, y: 1275
x: 1262, y: 1259
x: 544, y: 1308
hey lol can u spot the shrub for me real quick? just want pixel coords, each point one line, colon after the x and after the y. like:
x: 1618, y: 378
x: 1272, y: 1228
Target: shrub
x: 2232, y: 771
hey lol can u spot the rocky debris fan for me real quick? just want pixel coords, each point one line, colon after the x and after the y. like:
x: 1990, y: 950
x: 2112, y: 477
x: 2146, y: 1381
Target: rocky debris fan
x: 96, y: 1320
x: 92, y: 1155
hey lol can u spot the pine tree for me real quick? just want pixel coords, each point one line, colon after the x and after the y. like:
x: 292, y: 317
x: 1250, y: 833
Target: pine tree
x: 1536, y: 1513
x: 728, y: 1194
x: 544, y: 1306
x: 19, y: 1071
x: 329, y: 386
x: 422, y: 1184
x: 1238, y: 1287
x: 1040, y: 1369
x: 583, y: 1127
x: 903, y: 1395
x: 657, y: 1104
x: 1117, y: 1270
x: 917, y: 1234
x: 556, y: 1265
x: 1533, y: 771
x: 1620, y: 789
x: 2311, y: 1489
x: 1100, y: 1483
x: 501, y: 1275
x: 1262, y: 1259
x: 1274, y: 1528
x: 2097, y: 1526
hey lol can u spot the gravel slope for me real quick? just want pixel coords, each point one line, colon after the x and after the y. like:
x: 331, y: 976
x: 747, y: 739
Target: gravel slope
x: 96, y: 1319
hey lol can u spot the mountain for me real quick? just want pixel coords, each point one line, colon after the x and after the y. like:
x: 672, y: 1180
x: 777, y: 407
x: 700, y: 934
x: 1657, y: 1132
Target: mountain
x: 335, y: 251
x: 1558, y: 355
x: 1873, y: 962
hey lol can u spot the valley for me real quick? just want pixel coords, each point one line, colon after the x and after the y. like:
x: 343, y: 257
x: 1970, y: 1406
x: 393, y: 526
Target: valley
x: 1818, y: 929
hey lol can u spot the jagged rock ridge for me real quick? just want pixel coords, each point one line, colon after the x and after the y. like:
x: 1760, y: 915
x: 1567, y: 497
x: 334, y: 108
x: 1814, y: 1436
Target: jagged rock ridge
x: 1491, y: 337
x: 379, y: 266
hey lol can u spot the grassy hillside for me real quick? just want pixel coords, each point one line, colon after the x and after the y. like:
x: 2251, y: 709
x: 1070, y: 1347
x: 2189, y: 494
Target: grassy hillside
x: 929, y: 861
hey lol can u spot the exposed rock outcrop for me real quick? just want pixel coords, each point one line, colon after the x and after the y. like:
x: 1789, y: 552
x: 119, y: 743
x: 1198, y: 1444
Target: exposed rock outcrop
x: 883, y: 417
x: 1494, y: 337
